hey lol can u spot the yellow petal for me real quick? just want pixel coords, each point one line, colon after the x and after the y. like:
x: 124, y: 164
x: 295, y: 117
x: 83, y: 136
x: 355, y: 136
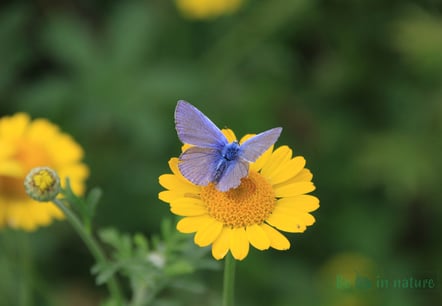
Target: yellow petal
x: 246, y: 137
x: 173, y: 164
x: 55, y: 212
x: 239, y: 244
x: 74, y: 171
x: 287, y: 223
x: 183, y: 200
x: 41, y: 130
x: 258, y: 237
x: 293, y: 189
x: 42, y: 214
x: 207, y: 9
x: 7, y: 150
x: 287, y: 170
x: 277, y: 161
x: 24, y: 215
x: 221, y: 245
x: 305, y: 175
x: 169, y: 196
x: 304, y: 202
x: 188, y: 211
x: 188, y: 207
x: 64, y: 150
x: 262, y: 160
x: 11, y: 168
x: 208, y: 234
x: 193, y: 224
x: 14, y: 127
x: 277, y: 240
x: 173, y: 182
x: 230, y: 135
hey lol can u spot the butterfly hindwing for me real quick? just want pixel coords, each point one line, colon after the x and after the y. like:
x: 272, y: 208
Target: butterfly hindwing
x: 198, y: 165
x: 194, y: 128
x: 234, y: 172
x: 257, y: 145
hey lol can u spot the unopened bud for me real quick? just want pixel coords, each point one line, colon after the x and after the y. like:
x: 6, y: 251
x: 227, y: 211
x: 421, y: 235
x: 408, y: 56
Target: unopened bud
x: 42, y: 184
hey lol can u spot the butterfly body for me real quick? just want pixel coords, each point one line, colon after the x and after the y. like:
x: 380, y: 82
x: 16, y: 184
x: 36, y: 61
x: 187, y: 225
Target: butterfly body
x: 212, y: 159
x: 229, y: 154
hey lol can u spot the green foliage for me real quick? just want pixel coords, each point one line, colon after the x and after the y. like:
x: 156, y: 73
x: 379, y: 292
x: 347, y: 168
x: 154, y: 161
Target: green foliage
x: 84, y: 207
x: 13, y: 51
x: 151, y: 266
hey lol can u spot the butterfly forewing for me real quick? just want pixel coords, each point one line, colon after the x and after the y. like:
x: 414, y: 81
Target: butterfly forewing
x: 194, y: 128
x: 199, y: 164
x: 257, y: 145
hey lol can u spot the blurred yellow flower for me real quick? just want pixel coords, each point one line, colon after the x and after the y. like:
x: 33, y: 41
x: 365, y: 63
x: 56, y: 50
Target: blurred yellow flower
x: 207, y: 9
x: 24, y: 145
x: 273, y: 197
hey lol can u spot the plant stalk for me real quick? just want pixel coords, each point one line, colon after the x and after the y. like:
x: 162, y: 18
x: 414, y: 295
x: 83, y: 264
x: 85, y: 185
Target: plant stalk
x: 93, y: 247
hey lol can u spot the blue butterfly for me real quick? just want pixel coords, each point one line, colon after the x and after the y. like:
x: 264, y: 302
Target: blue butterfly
x: 212, y: 159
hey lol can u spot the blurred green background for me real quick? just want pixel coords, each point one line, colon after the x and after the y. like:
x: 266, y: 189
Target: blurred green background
x: 356, y: 85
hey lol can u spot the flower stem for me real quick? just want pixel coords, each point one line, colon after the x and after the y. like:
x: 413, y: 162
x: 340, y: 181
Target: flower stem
x: 93, y: 247
x: 26, y: 264
x: 229, y: 281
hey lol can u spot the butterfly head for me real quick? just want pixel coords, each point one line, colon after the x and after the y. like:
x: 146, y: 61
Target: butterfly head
x: 231, y: 151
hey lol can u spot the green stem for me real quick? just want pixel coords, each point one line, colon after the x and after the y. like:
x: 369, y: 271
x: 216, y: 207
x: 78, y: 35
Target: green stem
x: 93, y: 247
x: 26, y: 264
x: 229, y: 281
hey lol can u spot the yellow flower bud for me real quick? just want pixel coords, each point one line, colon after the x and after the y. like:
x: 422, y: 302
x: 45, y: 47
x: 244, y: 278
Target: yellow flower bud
x: 42, y: 184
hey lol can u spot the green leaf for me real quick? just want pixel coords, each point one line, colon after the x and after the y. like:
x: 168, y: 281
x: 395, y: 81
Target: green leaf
x: 179, y: 268
x: 92, y: 200
x: 104, y: 272
x: 141, y: 243
x: 109, y: 236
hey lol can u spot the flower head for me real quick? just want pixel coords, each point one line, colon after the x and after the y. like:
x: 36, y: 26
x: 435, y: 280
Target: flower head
x: 207, y: 9
x: 24, y: 145
x: 42, y: 184
x: 271, y: 198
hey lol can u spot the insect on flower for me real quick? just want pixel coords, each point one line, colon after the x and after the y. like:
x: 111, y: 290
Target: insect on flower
x: 212, y: 159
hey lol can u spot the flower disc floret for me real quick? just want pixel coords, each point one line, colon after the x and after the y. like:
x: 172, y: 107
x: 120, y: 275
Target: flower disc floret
x: 250, y: 203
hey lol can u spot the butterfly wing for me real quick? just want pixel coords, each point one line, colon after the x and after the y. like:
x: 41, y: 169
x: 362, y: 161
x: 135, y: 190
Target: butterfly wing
x: 194, y: 128
x: 257, y: 145
x: 198, y: 165
x: 232, y: 175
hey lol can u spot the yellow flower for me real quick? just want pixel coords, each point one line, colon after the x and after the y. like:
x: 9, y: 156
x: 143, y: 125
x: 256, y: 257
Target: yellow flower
x: 273, y: 197
x: 207, y: 9
x: 24, y: 145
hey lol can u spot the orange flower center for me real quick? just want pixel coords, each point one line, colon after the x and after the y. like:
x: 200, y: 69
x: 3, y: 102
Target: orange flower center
x: 250, y: 203
x: 11, y: 187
